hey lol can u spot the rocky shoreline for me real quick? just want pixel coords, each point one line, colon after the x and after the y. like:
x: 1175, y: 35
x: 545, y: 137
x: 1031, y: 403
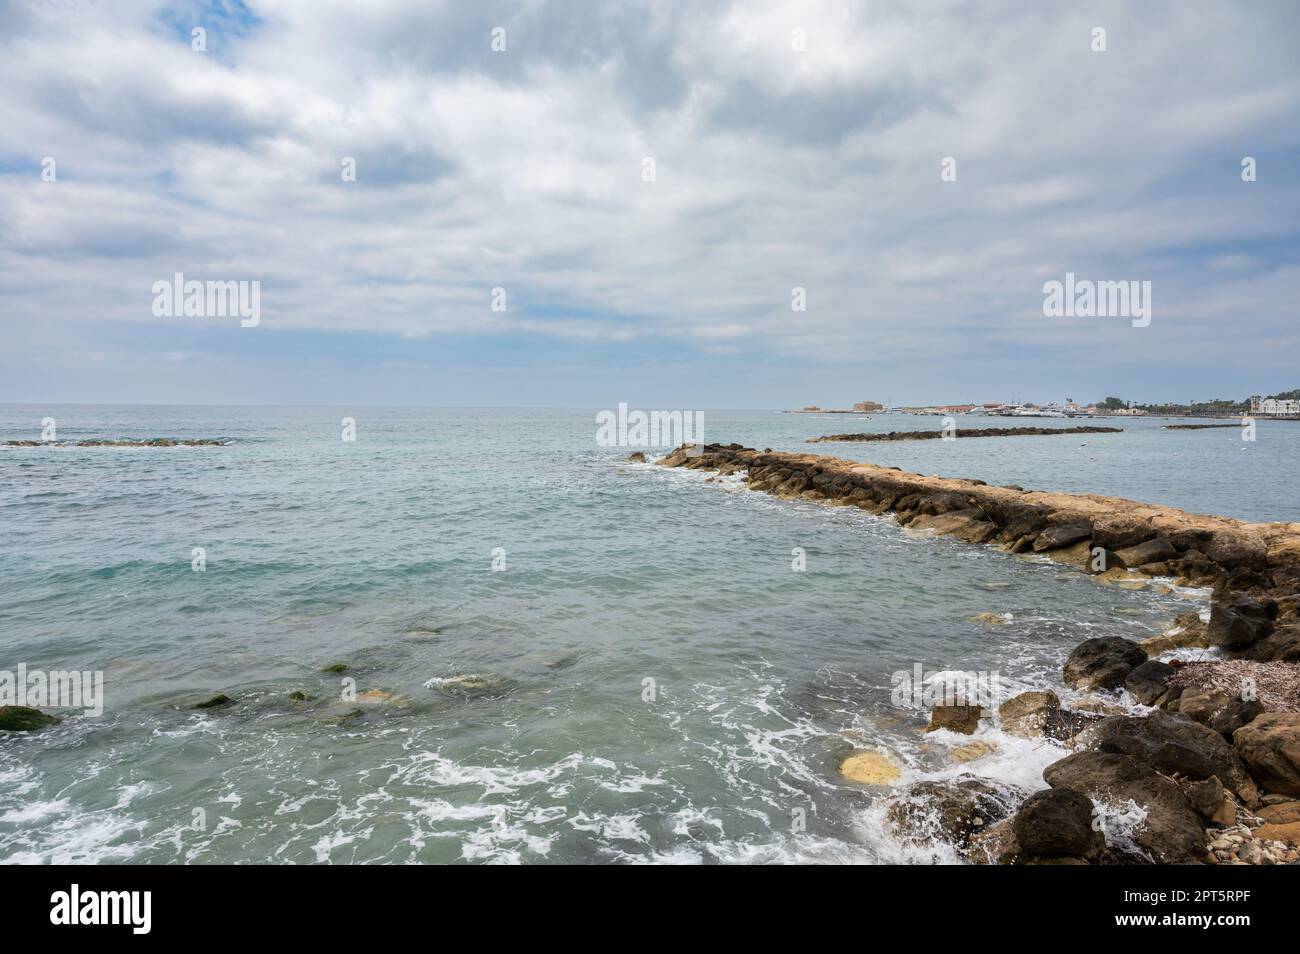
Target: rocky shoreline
x: 1204, y: 767
x: 962, y: 432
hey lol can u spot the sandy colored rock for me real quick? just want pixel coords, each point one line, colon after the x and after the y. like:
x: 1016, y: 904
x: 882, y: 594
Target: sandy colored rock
x: 1288, y: 834
x: 870, y: 768
x: 971, y: 751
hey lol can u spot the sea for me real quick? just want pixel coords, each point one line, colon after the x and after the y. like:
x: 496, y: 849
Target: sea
x: 513, y: 645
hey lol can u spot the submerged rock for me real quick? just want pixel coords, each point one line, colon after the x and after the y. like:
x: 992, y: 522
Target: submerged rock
x: 336, y: 667
x: 216, y: 702
x: 1103, y: 662
x: 870, y: 768
x: 473, y: 685
x: 25, y: 719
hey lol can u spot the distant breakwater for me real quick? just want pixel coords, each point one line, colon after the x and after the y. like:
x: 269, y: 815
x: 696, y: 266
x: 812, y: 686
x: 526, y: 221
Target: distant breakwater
x: 960, y: 432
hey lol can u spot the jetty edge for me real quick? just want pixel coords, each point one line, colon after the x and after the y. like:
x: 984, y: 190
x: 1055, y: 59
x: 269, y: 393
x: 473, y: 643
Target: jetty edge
x: 1215, y: 769
x: 867, y: 438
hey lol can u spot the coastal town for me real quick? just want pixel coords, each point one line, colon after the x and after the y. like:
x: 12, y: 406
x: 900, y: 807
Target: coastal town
x: 1283, y: 405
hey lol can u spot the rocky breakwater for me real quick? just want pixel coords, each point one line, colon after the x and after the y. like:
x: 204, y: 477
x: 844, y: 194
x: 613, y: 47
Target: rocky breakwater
x: 1162, y: 762
x: 1254, y: 568
x: 963, y: 432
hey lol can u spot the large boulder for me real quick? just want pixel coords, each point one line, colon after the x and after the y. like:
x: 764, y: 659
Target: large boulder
x: 1270, y: 747
x: 1057, y: 822
x: 1103, y: 662
x: 1240, y: 623
x: 1217, y: 710
x: 950, y: 811
x: 1149, y: 681
x: 1172, y: 832
x: 1187, y: 631
x: 1172, y: 745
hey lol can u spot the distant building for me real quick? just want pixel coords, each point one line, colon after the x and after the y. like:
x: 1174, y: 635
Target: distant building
x: 868, y: 406
x: 1287, y: 407
x: 1129, y: 411
x: 958, y: 408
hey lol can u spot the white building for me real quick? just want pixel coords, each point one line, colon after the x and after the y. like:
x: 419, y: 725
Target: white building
x: 1289, y: 407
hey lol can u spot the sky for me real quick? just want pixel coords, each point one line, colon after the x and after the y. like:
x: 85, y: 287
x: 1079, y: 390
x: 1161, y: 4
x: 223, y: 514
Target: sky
x: 794, y: 146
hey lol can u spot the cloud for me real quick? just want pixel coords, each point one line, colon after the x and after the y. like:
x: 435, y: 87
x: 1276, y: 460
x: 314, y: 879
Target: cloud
x: 775, y: 167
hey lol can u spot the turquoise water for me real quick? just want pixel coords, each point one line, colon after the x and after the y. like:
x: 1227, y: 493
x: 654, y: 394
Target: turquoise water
x: 379, y: 554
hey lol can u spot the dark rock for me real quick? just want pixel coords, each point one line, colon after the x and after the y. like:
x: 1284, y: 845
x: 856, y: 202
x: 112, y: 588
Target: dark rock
x: 1172, y: 833
x: 1062, y: 535
x: 949, y: 811
x: 1217, y: 710
x: 1152, y: 551
x: 637, y: 457
x: 336, y: 667
x: 1102, y: 662
x: 1148, y: 682
x: 1055, y: 822
x: 1171, y: 744
x: 25, y: 719
x: 216, y: 702
x: 1240, y: 623
x: 1270, y: 747
x: 1207, y: 798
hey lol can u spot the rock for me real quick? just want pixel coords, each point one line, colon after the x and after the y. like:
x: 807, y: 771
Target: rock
x: 959, y: 718
x: 637, y: 457
x: 1032, y: 715
x: 991, y: 619
x: 1172, y: 832
x: 1027, y: 714
x: 1209, y: 801
x: 1217, y: 710
x: 1187, y: 631
x: 950, y: 811
x: 971, y: 751
x: 1148, y: 682
x: 1172, y: 744
x: 1102, y: 662
x: 473, y: 685
x: 1288, y: 834
x: 1152, y: 551
x: 995, y: 845
x: 25, y: 719
x: 870, y: 768
x: 1057, y: 822
x: 216, y: 702
x: 336, y: 667
x: 375, y: 695
x: 1280, y: 813
x: 299, y: 696
x: 1240, y: 623
x: 1062, y: 535
x: 1270, y: 747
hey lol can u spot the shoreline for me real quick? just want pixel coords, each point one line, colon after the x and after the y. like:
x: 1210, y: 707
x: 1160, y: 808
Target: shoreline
x: 868, y: 438
x: 1212, y: 755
